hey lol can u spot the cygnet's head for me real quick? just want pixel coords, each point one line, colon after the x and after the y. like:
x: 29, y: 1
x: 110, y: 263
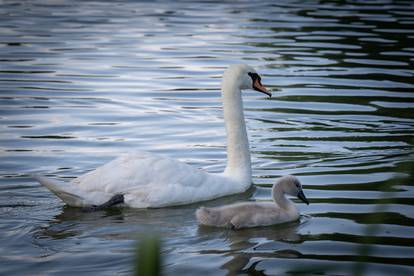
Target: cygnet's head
x: 245, y: 77
x: 292, y: 186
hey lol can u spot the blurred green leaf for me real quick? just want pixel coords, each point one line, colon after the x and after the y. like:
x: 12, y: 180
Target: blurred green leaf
x: 148, y: 257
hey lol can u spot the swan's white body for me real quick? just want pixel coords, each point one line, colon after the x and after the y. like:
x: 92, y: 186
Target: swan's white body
x: 149, y: 180
x: 252, y: 214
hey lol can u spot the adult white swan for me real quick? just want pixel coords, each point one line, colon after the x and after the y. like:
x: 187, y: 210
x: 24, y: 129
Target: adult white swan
x: 143, y: 180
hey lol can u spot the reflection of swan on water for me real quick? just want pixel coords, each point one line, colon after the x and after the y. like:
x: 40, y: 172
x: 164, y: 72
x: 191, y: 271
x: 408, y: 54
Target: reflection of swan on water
x: 248, y: 246
x: 144, y: 179
x: 252, y: 214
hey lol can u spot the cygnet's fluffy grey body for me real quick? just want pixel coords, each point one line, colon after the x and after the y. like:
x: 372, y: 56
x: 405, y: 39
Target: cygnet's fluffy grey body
x: 252, y: 214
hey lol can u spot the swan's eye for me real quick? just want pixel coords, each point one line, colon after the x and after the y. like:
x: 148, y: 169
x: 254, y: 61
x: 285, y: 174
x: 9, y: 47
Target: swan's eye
x: 254, y: 76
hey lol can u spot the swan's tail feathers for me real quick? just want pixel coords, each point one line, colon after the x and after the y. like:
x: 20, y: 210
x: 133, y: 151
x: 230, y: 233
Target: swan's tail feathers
x: 61, y: 189
x: 207, y: 216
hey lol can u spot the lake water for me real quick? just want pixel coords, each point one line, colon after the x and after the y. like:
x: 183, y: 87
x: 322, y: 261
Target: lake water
x: 82, y: 82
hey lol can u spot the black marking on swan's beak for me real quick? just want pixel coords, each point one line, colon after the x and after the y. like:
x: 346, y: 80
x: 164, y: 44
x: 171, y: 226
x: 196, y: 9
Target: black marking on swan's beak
x: 302, y: 197
x: 257, y: 84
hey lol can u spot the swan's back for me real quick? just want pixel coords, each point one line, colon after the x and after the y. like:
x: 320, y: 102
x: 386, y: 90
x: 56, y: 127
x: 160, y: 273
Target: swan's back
x: 150, y: 180
x: 247, y: 214
x: 134, y: 170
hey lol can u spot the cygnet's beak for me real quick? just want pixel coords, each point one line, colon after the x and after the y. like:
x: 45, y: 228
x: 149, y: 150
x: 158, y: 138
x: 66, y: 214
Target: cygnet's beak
x: 257, y: 85
x: 302, y: 197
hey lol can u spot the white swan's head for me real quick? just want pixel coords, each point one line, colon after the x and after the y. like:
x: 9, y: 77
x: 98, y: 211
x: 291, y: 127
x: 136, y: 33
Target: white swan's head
x: 244, y: 77
x: 292, y: 186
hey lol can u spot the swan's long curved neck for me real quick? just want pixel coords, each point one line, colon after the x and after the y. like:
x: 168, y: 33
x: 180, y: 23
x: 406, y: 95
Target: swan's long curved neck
x: 238, y: 152
x: 281, y: 200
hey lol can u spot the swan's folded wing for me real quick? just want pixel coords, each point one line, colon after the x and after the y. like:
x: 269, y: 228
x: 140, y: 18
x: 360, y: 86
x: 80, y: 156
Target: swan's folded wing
x: 136, y: 170
x: 150, y: 180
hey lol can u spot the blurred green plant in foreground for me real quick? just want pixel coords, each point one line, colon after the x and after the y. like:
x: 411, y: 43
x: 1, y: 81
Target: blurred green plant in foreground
x: 148, y: 256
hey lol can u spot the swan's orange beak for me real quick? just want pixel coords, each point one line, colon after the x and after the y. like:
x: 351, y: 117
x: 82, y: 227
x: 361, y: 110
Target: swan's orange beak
x: 257, y: 85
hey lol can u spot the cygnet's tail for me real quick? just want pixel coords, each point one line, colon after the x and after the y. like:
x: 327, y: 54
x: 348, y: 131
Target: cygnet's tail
x: 207, y: 216
x: 65, y: 191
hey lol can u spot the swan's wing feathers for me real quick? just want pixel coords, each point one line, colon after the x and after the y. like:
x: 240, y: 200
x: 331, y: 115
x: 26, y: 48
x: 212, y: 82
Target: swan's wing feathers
x: 136, y: 171
x: 149, y: 180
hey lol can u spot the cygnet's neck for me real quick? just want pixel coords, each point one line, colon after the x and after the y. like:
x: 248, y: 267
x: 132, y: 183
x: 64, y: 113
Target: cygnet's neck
x: 238, y: 151
x: 279, y: 197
